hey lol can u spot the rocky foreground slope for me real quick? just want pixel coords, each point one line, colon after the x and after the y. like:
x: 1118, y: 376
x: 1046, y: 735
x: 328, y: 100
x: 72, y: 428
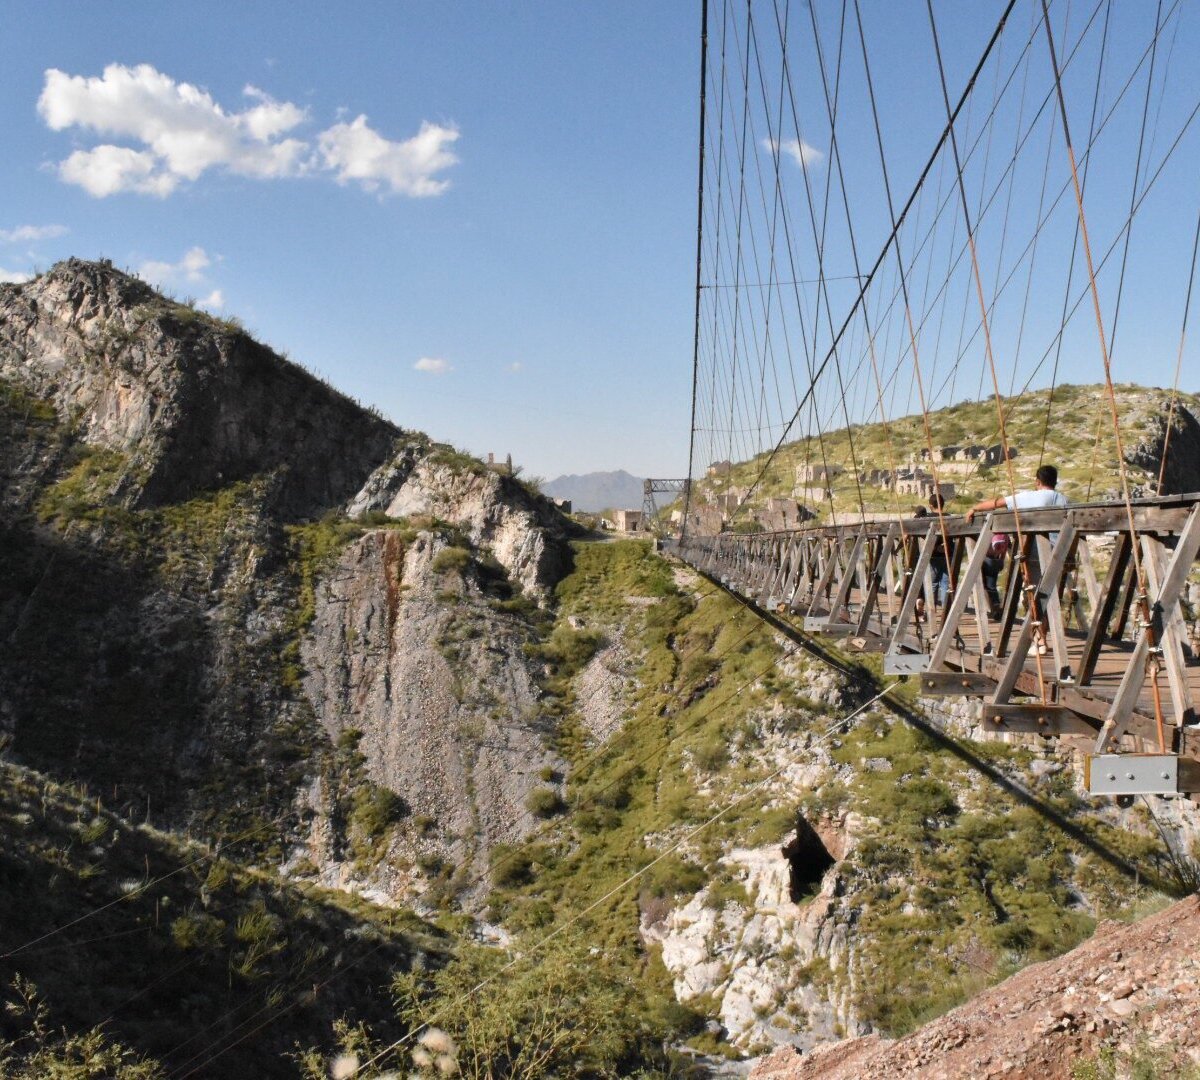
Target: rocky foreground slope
x: 1127, y: 999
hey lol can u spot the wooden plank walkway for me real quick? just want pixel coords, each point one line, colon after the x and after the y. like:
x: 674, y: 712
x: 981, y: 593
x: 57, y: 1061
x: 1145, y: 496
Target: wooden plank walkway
x: 1092, y: 639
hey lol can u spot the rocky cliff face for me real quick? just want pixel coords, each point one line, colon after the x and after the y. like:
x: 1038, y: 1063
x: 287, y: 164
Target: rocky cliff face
x: 406, y: 652
x: 196, y: 626
x: 523, y: 533
x: 1172, y: 435
x: 195, y: 402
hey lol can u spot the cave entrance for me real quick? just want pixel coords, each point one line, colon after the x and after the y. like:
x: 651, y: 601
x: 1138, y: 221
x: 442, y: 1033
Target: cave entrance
x: 808, y: 859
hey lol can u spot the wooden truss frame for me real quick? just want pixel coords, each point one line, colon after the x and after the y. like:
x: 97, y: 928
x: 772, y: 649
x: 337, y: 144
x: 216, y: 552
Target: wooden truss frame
x: 1067, y: 656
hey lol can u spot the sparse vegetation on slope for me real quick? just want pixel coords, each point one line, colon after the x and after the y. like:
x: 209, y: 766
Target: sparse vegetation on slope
x: 1079, y: 440
x: 952, y: 885
x: 96, y: 913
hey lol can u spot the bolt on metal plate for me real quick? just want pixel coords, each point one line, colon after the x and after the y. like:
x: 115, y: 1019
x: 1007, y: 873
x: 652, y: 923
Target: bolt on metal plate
x: 1132, y: 774
x: 905, y: 663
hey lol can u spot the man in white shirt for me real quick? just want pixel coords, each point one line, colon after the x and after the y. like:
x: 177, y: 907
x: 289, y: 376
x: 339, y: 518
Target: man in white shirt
x: 1043, y: 495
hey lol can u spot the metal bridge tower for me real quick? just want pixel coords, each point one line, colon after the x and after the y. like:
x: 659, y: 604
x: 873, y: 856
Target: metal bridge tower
x: 650, y: 511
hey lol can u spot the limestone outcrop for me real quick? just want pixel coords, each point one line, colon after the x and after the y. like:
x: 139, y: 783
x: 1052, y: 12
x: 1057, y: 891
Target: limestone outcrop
x: 524, y: 533
x: 195, y: 403
x: 443, y: 697
x: 197, y: 622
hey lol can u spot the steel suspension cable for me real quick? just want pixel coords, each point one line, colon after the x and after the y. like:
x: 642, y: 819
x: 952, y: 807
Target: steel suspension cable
x: 1075, y: 241
x: 687, y: 494
x: 1133, y: 194
x: 1066, y: 185
x: 1104, y: 354
x: 1137, y: 173
x: 896, y: 296
x: 823, y: 288
x: 937, y: 501
x: 898, y: 222
x: 1187, y: 306
x: 1030, y: 590
x: 836, y: 160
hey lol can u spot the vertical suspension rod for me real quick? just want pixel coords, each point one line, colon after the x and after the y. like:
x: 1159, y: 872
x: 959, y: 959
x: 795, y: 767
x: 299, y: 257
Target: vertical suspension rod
x: 1143, y: 600
x: 1030, y: 591
x: 687, y: 498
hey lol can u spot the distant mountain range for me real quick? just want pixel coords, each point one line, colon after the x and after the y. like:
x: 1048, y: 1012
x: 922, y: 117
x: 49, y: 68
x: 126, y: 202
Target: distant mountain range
x: 598, y: 490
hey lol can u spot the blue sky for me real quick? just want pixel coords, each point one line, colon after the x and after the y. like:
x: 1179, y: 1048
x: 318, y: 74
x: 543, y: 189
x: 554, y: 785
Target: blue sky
x: 479, y: 217
x: 553, y: 275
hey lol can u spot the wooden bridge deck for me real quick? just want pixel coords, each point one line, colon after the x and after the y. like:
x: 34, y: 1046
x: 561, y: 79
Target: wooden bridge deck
x: 1118, y: 667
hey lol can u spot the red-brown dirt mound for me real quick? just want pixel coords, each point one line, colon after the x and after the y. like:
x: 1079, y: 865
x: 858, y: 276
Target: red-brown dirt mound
x: 1129, y: 983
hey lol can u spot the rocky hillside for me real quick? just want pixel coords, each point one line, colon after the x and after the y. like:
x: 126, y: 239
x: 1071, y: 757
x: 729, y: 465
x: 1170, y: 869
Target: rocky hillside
x: 235, y: 603
x: 1069, y: 427
x: 176, y: 948
x: 191, y: 403
x: 188, y: 511
x: 856, y: 882
x: 1123, y: 1004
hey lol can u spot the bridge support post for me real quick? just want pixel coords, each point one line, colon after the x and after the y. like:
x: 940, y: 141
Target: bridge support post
x: 1167, y: 596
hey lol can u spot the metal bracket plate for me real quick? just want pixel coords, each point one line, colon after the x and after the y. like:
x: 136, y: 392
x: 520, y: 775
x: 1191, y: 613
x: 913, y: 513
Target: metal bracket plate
x: 1131, y: 774
x: 815, y: 622
x: 905, y: 663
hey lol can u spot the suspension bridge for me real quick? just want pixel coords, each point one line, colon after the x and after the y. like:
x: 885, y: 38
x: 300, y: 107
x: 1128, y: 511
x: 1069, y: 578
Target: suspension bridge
x: 1054, y: 203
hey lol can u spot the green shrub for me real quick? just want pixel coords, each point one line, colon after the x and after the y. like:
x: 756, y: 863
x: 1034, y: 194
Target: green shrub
x: 451, y: 560
x: 674, y: 876
x: 567, y: 652
x: 197, y: 930
x: 1142, y: 1061
x: 511, y: 867
x: 36, y: 1051
x: 257, y: 926
x: 375, y: 809
x: 568, y: 1010
x: 711, y: 754
x: 544, y: 802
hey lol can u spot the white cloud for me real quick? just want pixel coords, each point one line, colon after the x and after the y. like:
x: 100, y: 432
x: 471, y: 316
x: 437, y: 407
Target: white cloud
x: 110, y: 169
x: 190, y: 269
x: 797, y: 149
x: 432, y: 365
x: 194, y: 262
x: 358, y: 152
x: 190, y: 273
x: 184, y: 131
x: 515, y: 366
x: 172, y: 132
x: 31, y: 234
x: 14, y: 277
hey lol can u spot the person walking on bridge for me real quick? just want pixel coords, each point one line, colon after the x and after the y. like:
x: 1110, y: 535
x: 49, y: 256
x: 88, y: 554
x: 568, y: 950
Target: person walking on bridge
x: 1043, y: 494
